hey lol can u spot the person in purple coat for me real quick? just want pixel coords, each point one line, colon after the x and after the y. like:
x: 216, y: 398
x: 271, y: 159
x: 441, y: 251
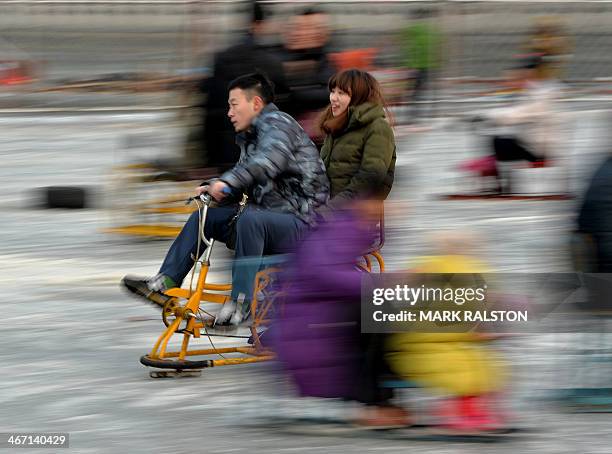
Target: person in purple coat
x: 317, y: 335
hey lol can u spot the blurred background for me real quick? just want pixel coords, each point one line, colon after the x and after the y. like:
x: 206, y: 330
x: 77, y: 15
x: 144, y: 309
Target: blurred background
x: 107, y: 119
x: 90, y: 46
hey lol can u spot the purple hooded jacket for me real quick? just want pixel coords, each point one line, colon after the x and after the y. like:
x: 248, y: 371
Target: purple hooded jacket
x: 317, y: 332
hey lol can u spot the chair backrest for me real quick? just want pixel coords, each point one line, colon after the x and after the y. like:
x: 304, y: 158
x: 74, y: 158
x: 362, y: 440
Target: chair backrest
x: 268, y: 291
x: 380, y: 225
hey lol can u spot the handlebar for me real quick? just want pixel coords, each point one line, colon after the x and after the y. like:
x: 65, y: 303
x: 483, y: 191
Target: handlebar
x: 205, y: 198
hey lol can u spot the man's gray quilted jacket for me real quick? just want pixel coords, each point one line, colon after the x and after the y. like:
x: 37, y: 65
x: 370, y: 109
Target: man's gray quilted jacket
x: 279, y: 167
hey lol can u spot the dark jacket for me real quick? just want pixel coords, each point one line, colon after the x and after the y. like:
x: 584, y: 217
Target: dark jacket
x: 243, y: 58
x: 360, y: 161
x: 306, y: 73
x: 279, y: 167
x: 595, y: 216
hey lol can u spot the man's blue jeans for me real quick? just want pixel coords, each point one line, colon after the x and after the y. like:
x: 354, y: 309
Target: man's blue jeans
x: 259, y: 232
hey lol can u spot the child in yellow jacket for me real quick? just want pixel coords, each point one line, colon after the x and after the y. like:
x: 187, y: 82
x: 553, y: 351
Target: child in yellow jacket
x: 456, y: 364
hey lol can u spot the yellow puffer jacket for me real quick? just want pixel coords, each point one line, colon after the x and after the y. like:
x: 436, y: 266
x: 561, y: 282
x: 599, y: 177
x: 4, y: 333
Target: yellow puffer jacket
x: 450, y: 363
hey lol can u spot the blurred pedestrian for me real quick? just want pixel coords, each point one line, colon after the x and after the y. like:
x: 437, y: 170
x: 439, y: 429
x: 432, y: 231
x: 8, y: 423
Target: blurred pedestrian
x: 307, y: 68
x: 421, y: 46
x: 530, y: 128
x: 550, y: 42
x: 595, y: 220
x: 246, y: 57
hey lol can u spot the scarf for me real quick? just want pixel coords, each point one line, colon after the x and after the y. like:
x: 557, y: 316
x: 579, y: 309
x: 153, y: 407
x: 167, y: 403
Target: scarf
x: 335, y: 125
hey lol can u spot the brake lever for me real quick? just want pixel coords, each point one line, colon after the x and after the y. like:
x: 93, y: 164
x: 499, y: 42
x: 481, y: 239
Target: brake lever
x: 205, y: 197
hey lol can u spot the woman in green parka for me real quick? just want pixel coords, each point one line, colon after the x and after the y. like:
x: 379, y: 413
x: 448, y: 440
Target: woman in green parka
x: 359, y: 157
x: 359, y: 148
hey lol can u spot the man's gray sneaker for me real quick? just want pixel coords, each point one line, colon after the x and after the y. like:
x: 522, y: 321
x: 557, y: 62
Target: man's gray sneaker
x: 225, y: 314
x: 242, y: 312
x: 149, y: 289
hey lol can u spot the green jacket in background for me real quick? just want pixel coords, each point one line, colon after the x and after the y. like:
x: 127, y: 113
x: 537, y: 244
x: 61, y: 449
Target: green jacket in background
x: 360, y: 161
x: 421, y: 46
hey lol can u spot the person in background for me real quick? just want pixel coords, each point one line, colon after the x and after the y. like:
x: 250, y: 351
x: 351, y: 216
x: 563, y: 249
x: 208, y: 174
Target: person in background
x: 421, y: 46
x: 307, y: 68
x: 529, y: 129
x: 248, y: 56
x: 595, y: 219
x: 550, y: 42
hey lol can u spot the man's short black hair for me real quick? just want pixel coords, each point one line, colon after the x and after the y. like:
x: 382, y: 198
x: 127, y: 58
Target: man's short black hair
x: 258, y: 13
x: 533, y: 62
x: 424, y: 13
x: 529, y: 62
x: 310, y: 10
x: 257, y: 83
